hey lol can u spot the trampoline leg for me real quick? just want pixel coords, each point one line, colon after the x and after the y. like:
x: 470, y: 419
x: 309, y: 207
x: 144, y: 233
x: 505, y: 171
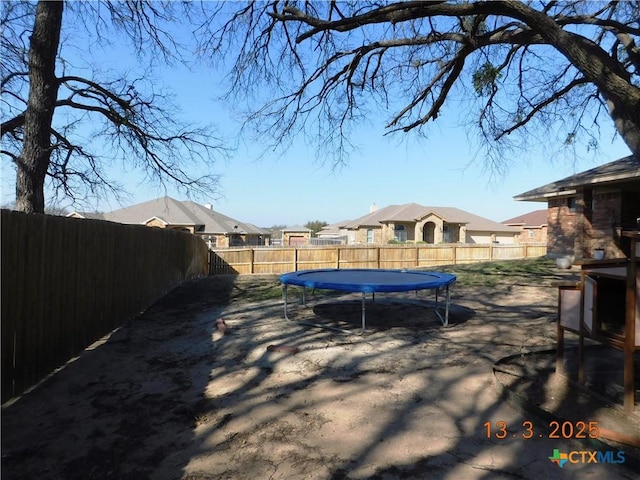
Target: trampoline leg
x: 446, y: 308
x: 284, y: 297
x: 363, y: 314
x: 304, y: 296
x: 445, y: 319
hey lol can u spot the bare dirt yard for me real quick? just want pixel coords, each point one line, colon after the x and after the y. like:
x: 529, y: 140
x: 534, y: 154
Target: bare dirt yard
x: 171, y: 395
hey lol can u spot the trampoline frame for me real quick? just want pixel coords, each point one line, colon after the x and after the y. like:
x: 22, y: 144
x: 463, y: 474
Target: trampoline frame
x: 293, y: 278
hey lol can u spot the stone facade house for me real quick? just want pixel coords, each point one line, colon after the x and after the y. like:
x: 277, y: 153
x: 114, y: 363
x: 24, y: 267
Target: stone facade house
x: 218, y: 230
x: 532, y: 226
x: 421, y: 224
x: 589, y: 210
x: 296, y: 236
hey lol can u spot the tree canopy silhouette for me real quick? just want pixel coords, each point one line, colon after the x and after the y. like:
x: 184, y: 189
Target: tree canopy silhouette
x: 68, y: 123
x: 522, y: 72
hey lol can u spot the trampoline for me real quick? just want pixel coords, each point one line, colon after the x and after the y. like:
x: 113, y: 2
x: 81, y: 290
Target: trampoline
x: 369, y: 281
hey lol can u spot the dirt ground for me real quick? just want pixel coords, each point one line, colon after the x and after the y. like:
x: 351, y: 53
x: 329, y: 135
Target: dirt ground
x: 172, y: 396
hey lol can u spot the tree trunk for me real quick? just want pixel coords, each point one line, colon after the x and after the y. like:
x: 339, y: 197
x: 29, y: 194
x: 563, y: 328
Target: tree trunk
x: 33, y: 162
x: 627, y: 124
x: 612, y: 80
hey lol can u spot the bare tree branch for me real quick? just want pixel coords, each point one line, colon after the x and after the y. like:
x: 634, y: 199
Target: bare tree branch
x: 140, y: 126
x: 546, y: 67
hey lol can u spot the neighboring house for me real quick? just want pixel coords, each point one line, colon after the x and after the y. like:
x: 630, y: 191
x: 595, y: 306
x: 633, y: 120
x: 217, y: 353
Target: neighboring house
x: 296, y: 236
x: 217, y: 230
x: 416, y: 223
x: 331, y: 235
x: 590, y: 210
x: 331, y: 231
x: 89, y: 215
x: 532, y: 226
x: 275, y: 239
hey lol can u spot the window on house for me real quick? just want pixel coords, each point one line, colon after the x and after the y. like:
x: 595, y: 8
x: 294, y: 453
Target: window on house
x: 571, y: 204
x: 211, y: 240
x: 531, y: 233
x: 370, y: 238
x: 236, y: 240
x: 400, y: 233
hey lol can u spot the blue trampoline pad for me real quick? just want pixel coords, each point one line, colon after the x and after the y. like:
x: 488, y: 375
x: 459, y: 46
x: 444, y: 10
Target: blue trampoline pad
x: 368, y: 280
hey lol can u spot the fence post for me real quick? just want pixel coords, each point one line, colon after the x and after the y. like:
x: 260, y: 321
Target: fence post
x: 251, y: 258
x: 455, y: 255
x: 378, y: 257
x: 338, y: 257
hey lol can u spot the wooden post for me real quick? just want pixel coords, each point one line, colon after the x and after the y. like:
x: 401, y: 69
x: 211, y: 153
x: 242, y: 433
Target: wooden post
x: 630, y: 327
x: 251, y: 258
x: 338, y: 257
x: 560, y: 346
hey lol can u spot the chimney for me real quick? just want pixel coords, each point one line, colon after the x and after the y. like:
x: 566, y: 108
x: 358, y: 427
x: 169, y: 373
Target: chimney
x: 208, y: 206
x: 373, y: 208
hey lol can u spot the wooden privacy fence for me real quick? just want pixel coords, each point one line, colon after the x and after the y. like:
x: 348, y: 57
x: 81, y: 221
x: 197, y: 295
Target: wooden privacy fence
x: 282, y: 260
x: 67, y: 282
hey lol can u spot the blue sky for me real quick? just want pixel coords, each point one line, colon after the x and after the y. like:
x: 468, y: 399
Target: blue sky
x: 442, y: 169
x: 296, y: 187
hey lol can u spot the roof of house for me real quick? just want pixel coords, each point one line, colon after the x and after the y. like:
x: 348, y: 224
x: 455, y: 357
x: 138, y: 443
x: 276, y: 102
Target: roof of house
x: 296, y: 228
x: 90, y: 215
x: 413, y: 212
x: 331, y: 230
x: 181, y: 213
x: 622, y: 170
x: 537, y: 218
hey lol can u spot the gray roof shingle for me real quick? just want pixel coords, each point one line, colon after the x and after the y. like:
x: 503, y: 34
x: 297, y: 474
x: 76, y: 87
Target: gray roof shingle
x: 624, y: 169
x: 176, y: 212
x: 412, y: 212
x: 537, y: 218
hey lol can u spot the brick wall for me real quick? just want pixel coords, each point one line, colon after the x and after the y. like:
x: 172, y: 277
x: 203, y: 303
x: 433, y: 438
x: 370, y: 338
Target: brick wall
x: 533, y: 235
x: 361, y: 235
x: 600, y: 230
x: 154, y: 222
x: 589, y: 220
x: 561, y: 230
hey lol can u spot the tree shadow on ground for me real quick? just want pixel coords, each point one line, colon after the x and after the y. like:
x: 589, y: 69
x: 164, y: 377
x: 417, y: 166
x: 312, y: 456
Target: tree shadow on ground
x: 384, y: 314
x: 440, y: 420
x: 170, y: 396
x: 127, y: 403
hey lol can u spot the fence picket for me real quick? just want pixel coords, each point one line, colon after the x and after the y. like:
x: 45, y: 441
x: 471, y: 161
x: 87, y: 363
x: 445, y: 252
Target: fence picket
x: 67, y: 282
x: 279, y: 260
